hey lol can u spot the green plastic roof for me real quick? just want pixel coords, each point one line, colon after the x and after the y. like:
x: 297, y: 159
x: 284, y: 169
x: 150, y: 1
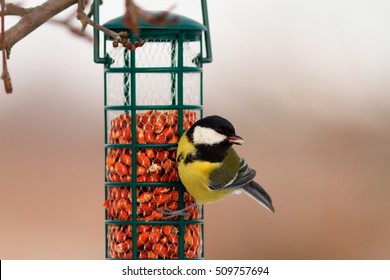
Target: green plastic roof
x: 182, y: 23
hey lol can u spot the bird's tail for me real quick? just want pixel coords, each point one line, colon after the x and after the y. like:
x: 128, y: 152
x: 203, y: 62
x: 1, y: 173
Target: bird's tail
x: 259, y: 194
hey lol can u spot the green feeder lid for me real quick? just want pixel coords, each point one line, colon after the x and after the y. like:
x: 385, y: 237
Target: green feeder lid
x: 180, y: 23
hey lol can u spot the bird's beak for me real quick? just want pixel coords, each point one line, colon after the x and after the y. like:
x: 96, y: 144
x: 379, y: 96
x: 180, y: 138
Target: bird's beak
x: 235, y: 139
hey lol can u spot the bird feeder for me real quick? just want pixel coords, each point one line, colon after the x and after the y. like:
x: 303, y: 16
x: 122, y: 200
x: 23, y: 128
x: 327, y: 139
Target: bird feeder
x: 151, y: 96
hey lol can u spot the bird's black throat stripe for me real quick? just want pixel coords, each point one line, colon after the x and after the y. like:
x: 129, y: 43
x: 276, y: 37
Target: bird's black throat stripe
x: 204, y: 153
x: 211, y: 153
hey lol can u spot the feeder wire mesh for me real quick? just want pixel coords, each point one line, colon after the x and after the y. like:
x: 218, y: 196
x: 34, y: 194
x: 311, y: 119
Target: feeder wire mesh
x: 146, y: 111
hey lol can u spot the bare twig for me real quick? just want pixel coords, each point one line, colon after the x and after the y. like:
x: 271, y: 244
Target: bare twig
x: 85, y: 20
x: 118, y: 38
x: 67, y: 22
x: 91, y: 13
x: 5, y: 75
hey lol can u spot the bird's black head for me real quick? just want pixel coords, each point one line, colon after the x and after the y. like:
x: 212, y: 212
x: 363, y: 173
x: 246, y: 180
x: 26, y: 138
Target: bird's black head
x: 213, y: 136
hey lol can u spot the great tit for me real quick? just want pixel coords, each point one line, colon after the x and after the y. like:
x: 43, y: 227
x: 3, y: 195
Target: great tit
x: 209, y: 167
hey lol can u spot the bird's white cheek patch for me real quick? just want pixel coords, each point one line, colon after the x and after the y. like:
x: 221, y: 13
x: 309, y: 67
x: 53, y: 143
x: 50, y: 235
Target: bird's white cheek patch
x: 205, y: 135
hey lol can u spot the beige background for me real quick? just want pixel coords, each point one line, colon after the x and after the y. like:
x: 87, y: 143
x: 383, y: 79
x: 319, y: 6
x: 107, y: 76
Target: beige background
x: 306, y: 84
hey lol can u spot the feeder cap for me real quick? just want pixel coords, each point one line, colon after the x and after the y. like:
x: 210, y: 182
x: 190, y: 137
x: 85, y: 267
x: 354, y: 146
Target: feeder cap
x: 181, y: 23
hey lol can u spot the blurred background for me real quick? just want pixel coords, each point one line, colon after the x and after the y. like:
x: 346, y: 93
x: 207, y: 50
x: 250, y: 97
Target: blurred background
x: 306, y: 84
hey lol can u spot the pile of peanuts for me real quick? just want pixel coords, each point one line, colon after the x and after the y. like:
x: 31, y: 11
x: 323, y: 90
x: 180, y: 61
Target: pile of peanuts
x: 154, y: 242
x: 153, y: 165
x: 151, y: 203
x: 153, y: 127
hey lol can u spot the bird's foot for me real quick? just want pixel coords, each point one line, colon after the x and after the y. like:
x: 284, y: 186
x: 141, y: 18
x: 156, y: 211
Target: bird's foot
x: 169, y: 214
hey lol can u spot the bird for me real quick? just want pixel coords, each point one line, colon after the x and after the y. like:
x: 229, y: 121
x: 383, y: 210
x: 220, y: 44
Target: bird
x: 210, y: 169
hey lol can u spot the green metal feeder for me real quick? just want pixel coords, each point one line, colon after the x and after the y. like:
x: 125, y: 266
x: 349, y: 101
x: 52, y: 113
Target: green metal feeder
x: 151, y: 96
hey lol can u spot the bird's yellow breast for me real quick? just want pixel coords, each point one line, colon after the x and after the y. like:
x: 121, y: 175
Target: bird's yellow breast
x: 195, y: 175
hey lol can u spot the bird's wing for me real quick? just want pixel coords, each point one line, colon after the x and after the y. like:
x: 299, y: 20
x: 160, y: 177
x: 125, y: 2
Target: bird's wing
x: 244, y: 176
x: 236, y: 176
x: 239, y: 176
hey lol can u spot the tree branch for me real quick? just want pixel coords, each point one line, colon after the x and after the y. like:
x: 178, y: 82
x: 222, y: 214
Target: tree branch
x: 35, y: 18
x: 13, y: 10
x: 5, y: 75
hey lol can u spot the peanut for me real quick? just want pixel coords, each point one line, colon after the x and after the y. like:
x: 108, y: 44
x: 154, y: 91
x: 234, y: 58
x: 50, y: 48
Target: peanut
x: 167, y: 229
x: 143, y: 238
x: 155, y: 235
x: 145, y: 209
x: 144, y: 197
x: 119, y: 236
x: 160, y: 250
x: 160, y: 139
x: 143, y: 160
x: 160, y: 190
x: 173, y: 251
x: 143, y: 228
x: 155, y: 168
x: 125, y: 159
x: 154, y: 178
x: 121, y: 169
